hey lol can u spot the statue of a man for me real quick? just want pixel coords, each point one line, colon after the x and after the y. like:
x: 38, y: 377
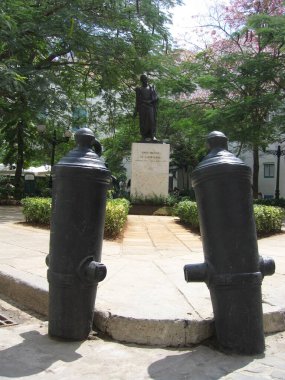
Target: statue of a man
x: 146, y: 107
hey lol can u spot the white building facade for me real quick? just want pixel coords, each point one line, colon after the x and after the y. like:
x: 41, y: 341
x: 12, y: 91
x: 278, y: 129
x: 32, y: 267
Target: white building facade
x: 268, y: 170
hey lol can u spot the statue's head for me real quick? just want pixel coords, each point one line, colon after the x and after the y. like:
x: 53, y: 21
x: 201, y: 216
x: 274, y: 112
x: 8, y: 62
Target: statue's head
x: 143, y: 79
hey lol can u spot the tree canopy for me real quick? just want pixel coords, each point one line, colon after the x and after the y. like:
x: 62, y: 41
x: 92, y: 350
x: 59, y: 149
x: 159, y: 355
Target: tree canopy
x: 57, y: 53
x: 239, y: 74
x: 59, y: 56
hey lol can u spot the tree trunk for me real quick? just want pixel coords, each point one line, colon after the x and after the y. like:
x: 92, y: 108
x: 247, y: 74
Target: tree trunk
x: 255, y: 171
x: 183, y: 178
x: 188, y: 179
x: 20, y: 159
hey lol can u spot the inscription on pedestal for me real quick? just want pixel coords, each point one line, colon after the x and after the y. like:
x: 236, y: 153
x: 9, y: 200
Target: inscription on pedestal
x: 152, y: 156
x: 150, y: 170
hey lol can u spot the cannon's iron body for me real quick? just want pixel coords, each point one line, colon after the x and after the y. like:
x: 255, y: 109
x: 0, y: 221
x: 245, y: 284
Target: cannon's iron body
x: 80, y: 182
x: 233, y: 269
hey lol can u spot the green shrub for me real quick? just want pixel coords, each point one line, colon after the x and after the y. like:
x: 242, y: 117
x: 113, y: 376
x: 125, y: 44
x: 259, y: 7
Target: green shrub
x: 268, y: 219
x: 37, y: 210
x: 187, y: 211
x: 158, y: 200
x: 116, y: 216
x: 110, y: 194
x: 6, y: 188
x: 154, y: 200
x: 270, y: 202
x: 172, y: 200
x: 189, y: 194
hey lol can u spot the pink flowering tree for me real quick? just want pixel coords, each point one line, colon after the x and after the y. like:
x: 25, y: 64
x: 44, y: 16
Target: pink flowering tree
x: 240, y: 73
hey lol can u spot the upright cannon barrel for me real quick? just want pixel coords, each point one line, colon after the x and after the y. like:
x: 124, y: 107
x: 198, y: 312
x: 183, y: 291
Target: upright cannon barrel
x: 233, y: 269
x: 80, y: 182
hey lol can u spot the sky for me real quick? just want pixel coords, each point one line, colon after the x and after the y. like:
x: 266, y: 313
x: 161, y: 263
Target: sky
x: 183, y: 20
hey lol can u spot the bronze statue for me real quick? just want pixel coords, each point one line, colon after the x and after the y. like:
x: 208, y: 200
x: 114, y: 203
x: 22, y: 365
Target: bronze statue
x: 146, y: 107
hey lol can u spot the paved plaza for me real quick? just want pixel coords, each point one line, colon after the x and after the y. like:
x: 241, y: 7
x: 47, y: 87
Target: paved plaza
x: 144, y: 303
x: 28, y: 353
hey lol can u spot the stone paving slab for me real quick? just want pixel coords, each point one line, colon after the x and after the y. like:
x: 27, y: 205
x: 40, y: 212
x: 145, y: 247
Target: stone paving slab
x: 27, y: 352
x: 144, y: 298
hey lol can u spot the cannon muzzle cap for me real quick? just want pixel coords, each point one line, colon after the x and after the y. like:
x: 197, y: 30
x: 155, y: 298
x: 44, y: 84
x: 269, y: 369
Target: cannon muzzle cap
x: 83, y: 156
x: 219, y: 161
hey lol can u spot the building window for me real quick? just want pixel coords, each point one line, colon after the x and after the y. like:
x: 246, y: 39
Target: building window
x: 269, y: 170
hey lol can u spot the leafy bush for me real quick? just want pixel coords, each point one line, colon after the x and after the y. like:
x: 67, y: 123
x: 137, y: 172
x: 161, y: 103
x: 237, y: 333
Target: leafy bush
x: 187, y: 211
x: 116, y: 216
x: 37, y: 210
x: 172, y: 200
x: 158, y: 200
x: 154, y: 200
x: 268, y: 219
x: 270, y: 202
x: 110, y: 194
x: 189, y: 194
x: 6, y: 188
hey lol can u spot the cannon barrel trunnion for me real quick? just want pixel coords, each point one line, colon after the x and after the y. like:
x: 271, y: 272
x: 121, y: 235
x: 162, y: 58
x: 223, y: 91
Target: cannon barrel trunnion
x: 233, y: 269
x: 80, y: 182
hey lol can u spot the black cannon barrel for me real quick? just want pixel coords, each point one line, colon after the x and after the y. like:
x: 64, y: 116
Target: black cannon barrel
x: 80, y: 182
x: 233, y: 269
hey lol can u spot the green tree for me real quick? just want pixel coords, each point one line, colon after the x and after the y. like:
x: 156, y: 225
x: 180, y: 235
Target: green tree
x: 240, y: 75
x: 57, y: 53
x: 180, y: 118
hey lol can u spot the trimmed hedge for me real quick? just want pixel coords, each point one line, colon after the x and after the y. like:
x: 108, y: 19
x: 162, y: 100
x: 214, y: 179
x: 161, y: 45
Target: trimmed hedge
x: 152, y: 200
x: 156, y: 200
x: 116, y: 216
x: 38, y: 210
x: 270, y: 202
x: 187, y: 211
x: 268, y: 219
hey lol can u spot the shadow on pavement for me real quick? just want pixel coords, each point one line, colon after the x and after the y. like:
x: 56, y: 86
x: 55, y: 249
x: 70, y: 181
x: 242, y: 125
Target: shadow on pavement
x: 11, y: 214
x: 196, y: 364
x: 35, y: 354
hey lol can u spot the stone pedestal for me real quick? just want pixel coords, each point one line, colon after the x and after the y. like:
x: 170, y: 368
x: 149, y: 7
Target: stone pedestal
x: 150, y: 170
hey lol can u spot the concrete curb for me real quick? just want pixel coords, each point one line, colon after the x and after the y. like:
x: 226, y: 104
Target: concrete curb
x: 27, y: 291
x: 154, y: 332
x: 23, y: 292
